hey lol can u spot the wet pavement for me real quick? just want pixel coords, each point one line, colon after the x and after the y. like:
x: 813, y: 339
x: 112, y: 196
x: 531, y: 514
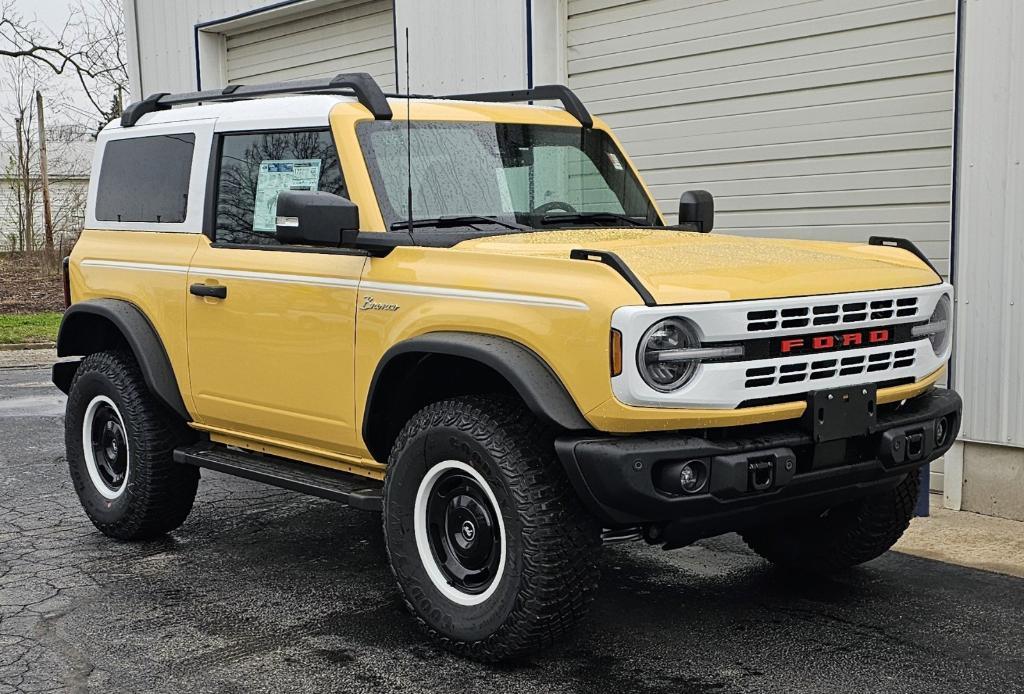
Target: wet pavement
x: 268, y: 591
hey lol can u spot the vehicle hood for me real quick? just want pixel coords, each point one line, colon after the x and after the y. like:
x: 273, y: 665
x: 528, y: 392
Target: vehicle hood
x: 686, y: 267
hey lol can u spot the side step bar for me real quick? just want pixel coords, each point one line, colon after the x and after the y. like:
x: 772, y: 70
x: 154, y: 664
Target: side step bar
x: 357, y: 492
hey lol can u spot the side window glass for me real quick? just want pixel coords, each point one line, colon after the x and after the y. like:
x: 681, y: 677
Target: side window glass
x: 145, y: 179
x: 255, y: 167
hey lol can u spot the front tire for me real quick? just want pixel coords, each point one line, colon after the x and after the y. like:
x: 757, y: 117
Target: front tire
x: 492, y: 551
x: 842, y: 537
x: 119, y: 441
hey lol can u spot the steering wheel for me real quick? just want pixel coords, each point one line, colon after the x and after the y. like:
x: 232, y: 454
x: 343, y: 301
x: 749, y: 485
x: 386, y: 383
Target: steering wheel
x: 554, y: 205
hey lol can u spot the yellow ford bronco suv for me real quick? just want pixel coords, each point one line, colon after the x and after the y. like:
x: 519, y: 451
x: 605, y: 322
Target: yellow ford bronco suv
x: 469, y: 314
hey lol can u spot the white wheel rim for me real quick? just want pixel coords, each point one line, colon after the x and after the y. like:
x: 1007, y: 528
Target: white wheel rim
x: 90, y: 459
x: 420, y: 531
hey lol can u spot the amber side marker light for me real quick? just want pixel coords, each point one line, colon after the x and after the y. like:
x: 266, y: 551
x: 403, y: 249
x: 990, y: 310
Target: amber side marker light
x: 616, y: 352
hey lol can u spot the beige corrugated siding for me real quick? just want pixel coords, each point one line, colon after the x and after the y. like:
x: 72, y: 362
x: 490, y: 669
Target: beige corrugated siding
x: 806, y: 119
x: 344, y: 37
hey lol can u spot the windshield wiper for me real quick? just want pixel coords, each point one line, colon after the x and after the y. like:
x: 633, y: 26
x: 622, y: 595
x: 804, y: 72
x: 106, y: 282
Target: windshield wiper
x: 456, y: 220
x: 557, y: 218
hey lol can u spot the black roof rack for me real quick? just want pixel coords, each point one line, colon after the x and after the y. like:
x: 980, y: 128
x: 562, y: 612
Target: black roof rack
x: 361, y: 84
x: 555, y: 92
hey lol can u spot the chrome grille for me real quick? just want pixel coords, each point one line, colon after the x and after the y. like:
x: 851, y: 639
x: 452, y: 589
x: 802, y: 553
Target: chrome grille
x: 824, y: 315
x: 837, y: 365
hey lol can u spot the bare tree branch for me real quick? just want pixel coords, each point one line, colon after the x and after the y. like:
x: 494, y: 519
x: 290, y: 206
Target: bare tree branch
x: 90, y: 46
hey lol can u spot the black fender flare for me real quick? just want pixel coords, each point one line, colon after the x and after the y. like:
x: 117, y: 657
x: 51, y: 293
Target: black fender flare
x: 85, y: 329
x: 529, y: 375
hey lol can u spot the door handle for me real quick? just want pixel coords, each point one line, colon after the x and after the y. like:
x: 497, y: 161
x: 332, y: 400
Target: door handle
x: 216, y: 291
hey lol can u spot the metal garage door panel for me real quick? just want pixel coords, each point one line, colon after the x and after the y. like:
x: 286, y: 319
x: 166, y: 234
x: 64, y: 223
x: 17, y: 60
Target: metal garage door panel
x: 344, y: 37
x: 815, y: 119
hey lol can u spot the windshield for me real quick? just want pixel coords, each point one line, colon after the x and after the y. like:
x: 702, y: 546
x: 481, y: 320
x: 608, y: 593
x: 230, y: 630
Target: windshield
x: 502, y: 176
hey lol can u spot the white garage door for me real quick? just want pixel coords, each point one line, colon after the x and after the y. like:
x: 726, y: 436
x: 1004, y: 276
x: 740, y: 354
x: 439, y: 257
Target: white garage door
x: 342, y: 37
x: 806, y: 119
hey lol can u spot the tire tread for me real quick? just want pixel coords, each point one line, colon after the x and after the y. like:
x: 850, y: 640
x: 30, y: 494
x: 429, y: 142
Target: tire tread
x: 560, y: 539
x: 162, y: 491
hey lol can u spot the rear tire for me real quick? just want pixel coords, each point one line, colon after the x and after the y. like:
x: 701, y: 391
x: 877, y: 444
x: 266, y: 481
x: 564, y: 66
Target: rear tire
x: 843, y: 536
x: 119, y: 441
x: 492, y: 551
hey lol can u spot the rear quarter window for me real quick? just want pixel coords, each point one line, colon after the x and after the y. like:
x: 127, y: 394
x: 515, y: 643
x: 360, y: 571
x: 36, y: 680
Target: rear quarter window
x: 145, y: 179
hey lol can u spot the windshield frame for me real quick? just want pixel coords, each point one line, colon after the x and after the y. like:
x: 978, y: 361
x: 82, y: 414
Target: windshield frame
x: 394, y: 223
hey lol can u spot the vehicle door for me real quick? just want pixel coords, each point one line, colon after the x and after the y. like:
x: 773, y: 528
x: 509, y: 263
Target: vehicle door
x: 271, y: 326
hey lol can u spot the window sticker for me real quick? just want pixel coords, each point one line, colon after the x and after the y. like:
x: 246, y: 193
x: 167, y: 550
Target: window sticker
x: 615, y: 162
x: 275, y: 176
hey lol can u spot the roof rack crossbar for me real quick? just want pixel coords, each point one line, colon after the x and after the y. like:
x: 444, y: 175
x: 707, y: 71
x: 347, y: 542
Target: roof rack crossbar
x: 361, y: 84
x: 555, y: 92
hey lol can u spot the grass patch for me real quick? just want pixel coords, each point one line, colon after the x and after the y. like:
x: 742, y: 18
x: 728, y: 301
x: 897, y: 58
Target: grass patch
x: 18, y: 328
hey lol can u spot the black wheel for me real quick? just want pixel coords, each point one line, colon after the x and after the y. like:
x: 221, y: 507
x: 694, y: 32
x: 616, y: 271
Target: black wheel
x: 119, y: 441
x: 841, y: 537
x: 492, y: 551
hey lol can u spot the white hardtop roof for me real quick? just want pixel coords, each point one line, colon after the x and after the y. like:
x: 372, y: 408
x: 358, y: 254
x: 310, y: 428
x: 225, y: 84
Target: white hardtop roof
x: 267, y: 113
x: 306, y: 110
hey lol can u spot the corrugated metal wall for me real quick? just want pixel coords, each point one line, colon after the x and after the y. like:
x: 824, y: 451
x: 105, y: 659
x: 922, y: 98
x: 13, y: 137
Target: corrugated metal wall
x: 990, y: 240
x: 458, y: 46
x: 166, y: 38
x: 822, y: 119
x: 343, y: 37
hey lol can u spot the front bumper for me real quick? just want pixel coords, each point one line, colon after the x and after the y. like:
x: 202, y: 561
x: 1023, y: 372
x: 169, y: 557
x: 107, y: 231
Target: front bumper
x: 622, y: 478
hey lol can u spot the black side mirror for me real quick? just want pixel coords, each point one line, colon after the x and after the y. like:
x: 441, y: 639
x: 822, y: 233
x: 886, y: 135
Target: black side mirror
x: 697, y: 208
x: 314, y: 217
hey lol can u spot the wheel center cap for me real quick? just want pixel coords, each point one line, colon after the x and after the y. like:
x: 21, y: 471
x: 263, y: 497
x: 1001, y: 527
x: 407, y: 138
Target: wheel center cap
x: 468, y: 530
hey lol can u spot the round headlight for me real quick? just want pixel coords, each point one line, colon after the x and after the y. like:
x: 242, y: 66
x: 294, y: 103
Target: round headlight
x: 663, y: 337
x: 939, y: 328
x: 942, y: 322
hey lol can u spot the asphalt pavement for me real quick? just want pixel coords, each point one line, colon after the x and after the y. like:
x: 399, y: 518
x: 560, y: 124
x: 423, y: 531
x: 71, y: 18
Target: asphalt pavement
x: 264, y: 590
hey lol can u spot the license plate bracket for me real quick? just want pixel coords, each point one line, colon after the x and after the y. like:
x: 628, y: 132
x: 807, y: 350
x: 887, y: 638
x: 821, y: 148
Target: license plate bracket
x: 841, y: 413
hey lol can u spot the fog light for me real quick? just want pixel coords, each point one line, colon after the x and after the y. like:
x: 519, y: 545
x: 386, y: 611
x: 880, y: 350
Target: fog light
x: 692, y: 476
x: 941, y: 431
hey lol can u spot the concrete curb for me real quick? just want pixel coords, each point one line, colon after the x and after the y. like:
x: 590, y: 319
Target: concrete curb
x: 27, y: 345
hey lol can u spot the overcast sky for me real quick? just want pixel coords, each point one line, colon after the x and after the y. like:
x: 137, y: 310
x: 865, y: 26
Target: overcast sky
x: 53, y: 14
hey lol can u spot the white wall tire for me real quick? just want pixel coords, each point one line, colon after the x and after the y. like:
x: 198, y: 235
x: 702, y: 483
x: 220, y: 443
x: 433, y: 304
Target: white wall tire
x: 545, y: 573
x: 108, y: 473
x: 132, y: 490
x: 427, y: 553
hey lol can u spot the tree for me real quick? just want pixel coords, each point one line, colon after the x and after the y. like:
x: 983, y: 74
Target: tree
x: 90, y: 46
x: 22, y: 82
x: 69, y: 155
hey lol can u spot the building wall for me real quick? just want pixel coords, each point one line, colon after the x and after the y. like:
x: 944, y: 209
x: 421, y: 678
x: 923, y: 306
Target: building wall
x: 165, y: 31
x: 825, y: 120
x: 989, y: 366
x: 67, y: 204
x: 455, y: 45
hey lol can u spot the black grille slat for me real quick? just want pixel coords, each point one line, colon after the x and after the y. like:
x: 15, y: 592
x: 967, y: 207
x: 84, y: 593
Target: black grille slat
x: 851, y: 312
x: 819, y: 369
